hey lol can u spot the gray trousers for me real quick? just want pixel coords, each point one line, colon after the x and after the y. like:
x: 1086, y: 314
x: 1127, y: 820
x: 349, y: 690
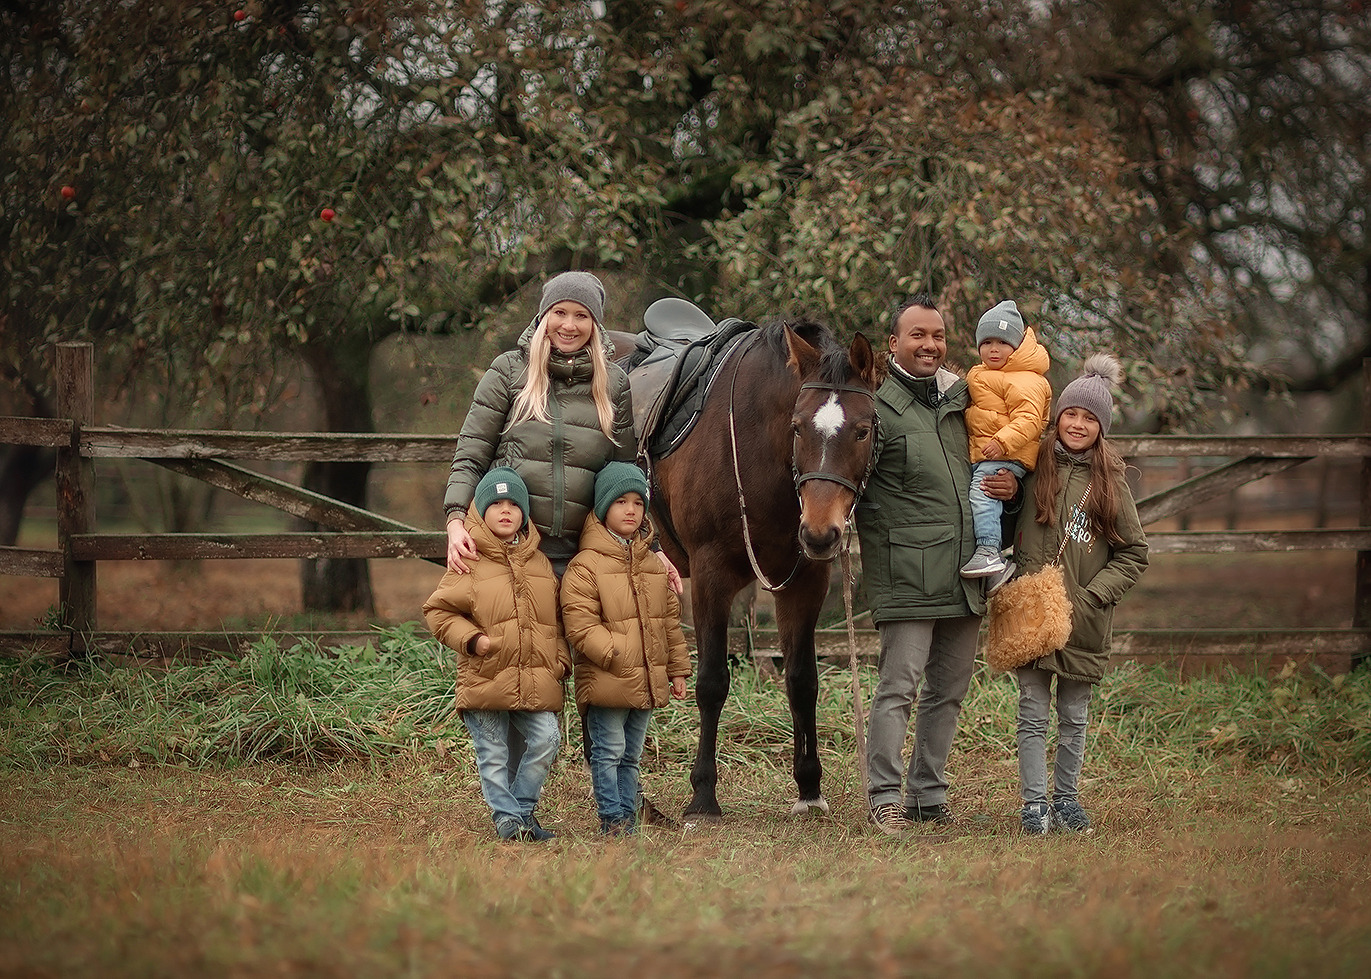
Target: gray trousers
x: 1073, y: 713
x: 940, y: 654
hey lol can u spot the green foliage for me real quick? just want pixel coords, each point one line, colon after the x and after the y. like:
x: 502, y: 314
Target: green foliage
x: 395, y: 698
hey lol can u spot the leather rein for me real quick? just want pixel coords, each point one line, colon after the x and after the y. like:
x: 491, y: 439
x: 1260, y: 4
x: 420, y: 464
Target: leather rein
x: 798, y: 477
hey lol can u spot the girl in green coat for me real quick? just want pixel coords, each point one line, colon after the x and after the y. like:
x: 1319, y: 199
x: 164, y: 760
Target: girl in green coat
x: 1078, y: 494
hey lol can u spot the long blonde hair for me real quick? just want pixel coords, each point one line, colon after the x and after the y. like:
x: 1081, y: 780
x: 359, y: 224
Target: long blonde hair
x: 532, y: 400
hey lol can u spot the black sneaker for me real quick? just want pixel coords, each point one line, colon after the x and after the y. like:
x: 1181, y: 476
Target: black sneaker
x: 939, y: 812
x: 534, y: 832
x: 1035, y: 819
x: 1069, y: 816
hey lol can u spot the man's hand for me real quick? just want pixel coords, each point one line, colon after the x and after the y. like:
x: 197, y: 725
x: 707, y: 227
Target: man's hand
x: 1000, y: 485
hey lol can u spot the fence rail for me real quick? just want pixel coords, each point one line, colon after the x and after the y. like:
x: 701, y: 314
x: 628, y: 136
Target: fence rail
x: 358, y: 533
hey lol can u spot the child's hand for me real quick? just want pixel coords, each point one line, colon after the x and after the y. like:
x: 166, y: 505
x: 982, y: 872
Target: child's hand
x: 992, y: 449
x: 678, y: 688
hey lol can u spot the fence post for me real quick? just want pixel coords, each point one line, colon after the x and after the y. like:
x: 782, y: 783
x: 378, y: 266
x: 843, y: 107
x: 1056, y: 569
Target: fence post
x: 76, y: 488
x: 1361, y: 600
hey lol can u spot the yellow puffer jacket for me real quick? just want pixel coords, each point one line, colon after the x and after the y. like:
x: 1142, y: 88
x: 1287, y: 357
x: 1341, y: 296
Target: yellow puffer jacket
x: 623, y: 620
x: 1011, y: 404
x: 510, y: 595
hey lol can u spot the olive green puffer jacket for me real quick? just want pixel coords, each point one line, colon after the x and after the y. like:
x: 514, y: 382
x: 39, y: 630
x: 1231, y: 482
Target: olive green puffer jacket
x: 557, y: 459
x: 1097, y: 573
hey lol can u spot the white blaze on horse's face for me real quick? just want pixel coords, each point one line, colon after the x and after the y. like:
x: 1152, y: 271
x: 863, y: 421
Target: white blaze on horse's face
x: 829, y: 419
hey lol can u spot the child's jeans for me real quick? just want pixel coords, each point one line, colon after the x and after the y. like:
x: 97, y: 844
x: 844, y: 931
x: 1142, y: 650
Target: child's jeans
x: 1073, y: 711
x: 512, y: 796
x: 616, y: 739
x: 986, y: 511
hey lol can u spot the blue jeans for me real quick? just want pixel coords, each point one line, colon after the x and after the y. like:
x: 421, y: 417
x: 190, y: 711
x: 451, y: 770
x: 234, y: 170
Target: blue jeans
x: 1073, y: 713
x: 512, y: 795
x: 986, y: 511
x: 616, y: 737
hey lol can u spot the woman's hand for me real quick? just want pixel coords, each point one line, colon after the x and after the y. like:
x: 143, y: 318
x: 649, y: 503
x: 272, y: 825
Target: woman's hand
x: 678, y: 687
x: 460, y: 547
x: 673, y: 576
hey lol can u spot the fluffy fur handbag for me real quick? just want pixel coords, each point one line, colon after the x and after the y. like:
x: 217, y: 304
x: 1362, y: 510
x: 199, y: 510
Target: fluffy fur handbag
x: 1030, y: 617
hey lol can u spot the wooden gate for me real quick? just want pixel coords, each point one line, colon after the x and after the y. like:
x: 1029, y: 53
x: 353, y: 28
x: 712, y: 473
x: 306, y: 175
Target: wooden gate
x: 358, y: 533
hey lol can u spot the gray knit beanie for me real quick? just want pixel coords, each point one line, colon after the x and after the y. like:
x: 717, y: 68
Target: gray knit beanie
x: 581, y: 287
x: 501, y: 483
x: 1001, y: 322
x: 1091, y: 390
x: 613, y: 481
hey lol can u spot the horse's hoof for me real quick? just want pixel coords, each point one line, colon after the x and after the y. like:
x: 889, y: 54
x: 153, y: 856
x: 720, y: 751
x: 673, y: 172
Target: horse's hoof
x: 805, y: 807
x: 703, y: 810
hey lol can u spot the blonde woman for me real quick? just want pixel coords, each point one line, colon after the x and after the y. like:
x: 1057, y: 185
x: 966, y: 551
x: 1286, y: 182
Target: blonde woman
x: 555, y: 410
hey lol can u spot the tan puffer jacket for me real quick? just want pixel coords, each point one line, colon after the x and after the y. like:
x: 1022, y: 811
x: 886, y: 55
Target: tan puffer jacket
x: 510, y: 595
x: 1011, y: 404
x: 623, y: 620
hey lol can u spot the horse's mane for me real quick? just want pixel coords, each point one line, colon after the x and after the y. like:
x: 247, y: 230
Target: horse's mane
x: 834, y: 365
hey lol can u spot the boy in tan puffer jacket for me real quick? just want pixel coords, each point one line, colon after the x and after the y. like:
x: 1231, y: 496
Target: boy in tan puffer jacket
x: 624, y: 621
x: 501, y: 620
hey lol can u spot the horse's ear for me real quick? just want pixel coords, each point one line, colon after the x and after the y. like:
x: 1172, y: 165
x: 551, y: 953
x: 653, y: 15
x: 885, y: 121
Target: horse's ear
x: 804, y: 359
x: 863, y: 359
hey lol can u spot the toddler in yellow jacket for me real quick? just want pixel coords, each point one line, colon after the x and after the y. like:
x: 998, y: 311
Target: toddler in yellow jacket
x: 1010, y: 398
x: 624, y: 622
x: 501, y: 620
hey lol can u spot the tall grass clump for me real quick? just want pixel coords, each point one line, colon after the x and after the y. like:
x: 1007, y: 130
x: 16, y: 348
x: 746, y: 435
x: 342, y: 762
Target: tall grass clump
x: 298, y: 703
x: 394, y: 696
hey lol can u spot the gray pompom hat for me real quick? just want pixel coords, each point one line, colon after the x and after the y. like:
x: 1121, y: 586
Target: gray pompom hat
x: 580, y: 287
x: 1003, y: 321
x: 1091, y: 390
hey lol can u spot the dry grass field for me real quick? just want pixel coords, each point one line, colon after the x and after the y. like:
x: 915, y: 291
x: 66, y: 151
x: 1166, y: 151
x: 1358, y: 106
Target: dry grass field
x: 1234, y: 823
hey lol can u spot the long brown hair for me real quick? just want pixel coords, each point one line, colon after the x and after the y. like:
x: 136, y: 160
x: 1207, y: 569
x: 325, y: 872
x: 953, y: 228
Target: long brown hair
x: 1102, y: 507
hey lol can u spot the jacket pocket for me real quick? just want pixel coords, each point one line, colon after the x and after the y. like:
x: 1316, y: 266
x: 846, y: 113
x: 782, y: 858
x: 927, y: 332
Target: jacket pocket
x: 1090, y: 626
x: 923, y: 561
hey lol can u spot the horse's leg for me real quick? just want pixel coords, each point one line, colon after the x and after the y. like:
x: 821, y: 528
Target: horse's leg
x: 711, y: 599
x: 797, y: 612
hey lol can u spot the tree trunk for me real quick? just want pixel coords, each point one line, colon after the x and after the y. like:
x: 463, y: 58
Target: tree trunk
x: 22, y: 469
x: 342, y: 368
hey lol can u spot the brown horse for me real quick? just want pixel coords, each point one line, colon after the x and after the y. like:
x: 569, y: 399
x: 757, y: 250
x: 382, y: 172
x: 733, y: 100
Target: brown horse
x: 761, y: 489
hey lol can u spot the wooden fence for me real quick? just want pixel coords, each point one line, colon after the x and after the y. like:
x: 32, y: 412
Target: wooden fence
x: 358, y: 533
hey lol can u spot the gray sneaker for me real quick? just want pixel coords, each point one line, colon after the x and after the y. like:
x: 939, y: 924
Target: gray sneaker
x: 1035, y: 819
x: 1068, y: 816
x: 985, y: 561
x: 997, y: 581
x: 890, y: 819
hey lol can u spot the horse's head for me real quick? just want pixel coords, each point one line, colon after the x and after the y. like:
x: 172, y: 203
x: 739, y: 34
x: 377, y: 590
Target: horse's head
x: 834, y: 427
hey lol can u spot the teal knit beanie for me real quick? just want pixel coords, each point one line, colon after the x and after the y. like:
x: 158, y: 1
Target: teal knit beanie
x: 614, y: 480
x: 501, y: 483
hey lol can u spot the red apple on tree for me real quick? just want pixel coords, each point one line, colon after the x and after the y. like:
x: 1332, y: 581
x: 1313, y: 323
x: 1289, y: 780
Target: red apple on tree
x: 240, y: 15
x: 327, y: 214
x: 68, y: 192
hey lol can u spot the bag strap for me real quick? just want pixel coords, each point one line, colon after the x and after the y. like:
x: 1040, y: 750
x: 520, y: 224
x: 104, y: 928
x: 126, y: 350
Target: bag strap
x: 1079, y: 506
